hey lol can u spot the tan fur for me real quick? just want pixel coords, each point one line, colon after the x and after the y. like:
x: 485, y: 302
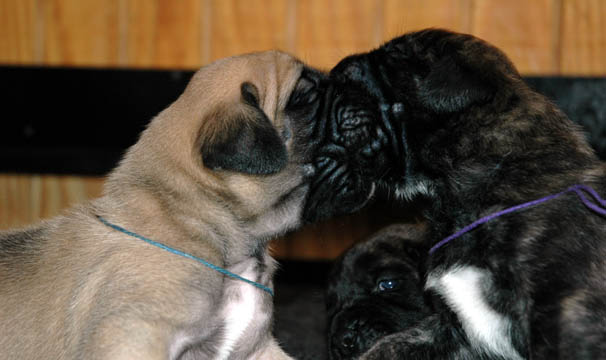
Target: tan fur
x: 77, y: 289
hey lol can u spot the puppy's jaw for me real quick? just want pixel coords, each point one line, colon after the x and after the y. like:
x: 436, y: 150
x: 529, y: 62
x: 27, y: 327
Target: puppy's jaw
x: 283, y: 214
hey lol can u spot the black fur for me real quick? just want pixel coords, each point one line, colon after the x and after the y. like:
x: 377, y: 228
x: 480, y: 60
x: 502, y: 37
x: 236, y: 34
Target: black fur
x: 359, y: 310
x: 251, y: 148
x: 446, y: 116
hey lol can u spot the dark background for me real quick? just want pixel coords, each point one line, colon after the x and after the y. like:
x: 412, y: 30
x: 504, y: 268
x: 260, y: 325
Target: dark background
x: 80, y: 121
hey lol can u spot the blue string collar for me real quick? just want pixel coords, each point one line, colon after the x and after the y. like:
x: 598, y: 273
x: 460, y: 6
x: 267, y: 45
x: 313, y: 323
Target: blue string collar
x: 186, y: 255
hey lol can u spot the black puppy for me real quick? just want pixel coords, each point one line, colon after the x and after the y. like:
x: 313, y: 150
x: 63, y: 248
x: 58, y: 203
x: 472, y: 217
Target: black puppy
x: 446, y: 116
x: 375, y: 289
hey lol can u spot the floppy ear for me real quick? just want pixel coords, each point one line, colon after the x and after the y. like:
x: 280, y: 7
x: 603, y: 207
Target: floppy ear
x: 450, y: 87
x: 251, y: 145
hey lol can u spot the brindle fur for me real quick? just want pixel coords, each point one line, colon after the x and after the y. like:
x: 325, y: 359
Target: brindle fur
x: 447, y: 117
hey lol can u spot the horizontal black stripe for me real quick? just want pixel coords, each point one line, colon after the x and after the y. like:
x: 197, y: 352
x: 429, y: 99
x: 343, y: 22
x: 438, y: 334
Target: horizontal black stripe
x: 81, y: 120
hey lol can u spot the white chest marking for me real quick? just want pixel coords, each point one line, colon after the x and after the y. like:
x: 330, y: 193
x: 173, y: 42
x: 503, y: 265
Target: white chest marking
x: 486, y: 329
x: 238, y: 315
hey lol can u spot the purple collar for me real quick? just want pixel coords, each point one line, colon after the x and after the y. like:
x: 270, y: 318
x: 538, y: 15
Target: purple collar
x: 578, y: 189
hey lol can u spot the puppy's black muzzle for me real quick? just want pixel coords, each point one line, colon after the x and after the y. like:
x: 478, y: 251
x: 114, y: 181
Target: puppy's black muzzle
x: 341, y: 184
x: 349, y: 342
x: 352, y: 332
x: 369, y: 122
x: 361, y: 142
x: 356, y: 328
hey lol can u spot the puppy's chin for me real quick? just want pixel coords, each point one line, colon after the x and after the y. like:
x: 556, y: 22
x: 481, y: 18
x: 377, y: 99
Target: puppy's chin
x: 337, y: 193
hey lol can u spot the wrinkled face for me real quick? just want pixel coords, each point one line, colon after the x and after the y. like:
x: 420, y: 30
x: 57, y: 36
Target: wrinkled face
x: 362, y: 146
x: 374, y: 290
x: 391, y: 112
x: 351, y: 145
x: 266, y: 160
x: 243, y: 134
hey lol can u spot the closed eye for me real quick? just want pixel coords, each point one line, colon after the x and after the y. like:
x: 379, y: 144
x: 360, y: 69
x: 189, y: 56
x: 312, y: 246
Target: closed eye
x: 304, y: 93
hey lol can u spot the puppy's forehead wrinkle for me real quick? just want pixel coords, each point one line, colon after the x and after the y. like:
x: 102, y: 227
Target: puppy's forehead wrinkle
x: 273, y: 73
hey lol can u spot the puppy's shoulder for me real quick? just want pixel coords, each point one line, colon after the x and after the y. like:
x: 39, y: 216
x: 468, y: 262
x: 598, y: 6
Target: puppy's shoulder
x: 23, y: 241
x: 24, y: 246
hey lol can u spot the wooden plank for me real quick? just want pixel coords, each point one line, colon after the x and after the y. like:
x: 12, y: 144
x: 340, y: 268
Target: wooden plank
x: 401, y: 16
x: 17, y: 31
x: 164, y: 33
x: 25, y: 199
x: 525, y: 30
x: 327, y: 31
x: 238, y: 27
x: 80, y: 33
x: 583, y: 42
x: 325, y: 240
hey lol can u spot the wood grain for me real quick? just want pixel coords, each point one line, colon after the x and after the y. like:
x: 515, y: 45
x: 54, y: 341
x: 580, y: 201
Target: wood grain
x: 525, y: 31
x: 164, y: 33
x: 401, y: 16
x: 18, y: 31
x: 541, y: 36
x: 80, y: 33
x: 330, y: 30
x: 25, y: 199
x: 583, y: 38
x: 247, y: 26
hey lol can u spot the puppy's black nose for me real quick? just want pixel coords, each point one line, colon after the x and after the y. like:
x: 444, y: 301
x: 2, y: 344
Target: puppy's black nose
x: 346, y: 345
x: 348, y: 340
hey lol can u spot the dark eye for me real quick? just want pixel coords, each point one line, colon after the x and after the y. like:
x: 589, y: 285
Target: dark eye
x: 388, y: 284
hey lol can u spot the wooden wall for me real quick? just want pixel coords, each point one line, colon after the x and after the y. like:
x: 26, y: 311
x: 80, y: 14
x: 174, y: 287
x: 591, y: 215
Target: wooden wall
x: 543, y: 37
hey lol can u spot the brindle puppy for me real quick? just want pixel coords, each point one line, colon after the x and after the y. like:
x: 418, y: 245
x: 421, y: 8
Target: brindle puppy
x: 447, y: 116
x: 375, y: 289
